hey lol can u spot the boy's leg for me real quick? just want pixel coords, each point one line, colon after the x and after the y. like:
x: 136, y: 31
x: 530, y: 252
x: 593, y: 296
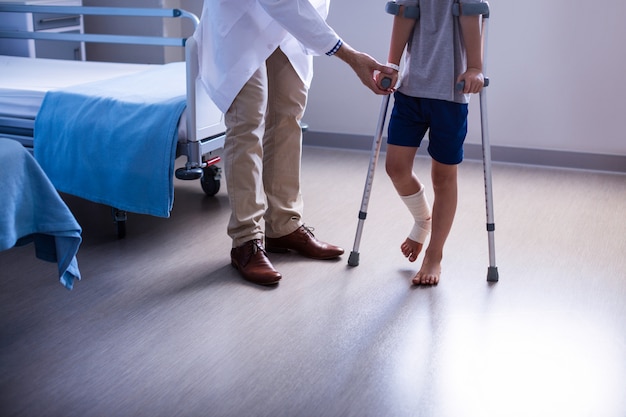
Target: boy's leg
x: 444, y: 208
x: 447, y: 134
x: 399, y: 166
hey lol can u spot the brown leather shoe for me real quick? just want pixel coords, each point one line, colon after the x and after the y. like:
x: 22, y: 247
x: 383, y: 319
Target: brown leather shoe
x: 251, y: 261
x: 304, y: 242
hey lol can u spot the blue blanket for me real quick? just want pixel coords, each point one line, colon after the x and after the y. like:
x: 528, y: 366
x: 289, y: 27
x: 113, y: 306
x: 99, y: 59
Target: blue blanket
x: 32, y: 211
x: 114, y: 142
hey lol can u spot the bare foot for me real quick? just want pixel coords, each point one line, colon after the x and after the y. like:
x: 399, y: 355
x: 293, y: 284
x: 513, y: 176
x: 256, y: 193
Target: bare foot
x: 411, y: 249
x: 429, y: 273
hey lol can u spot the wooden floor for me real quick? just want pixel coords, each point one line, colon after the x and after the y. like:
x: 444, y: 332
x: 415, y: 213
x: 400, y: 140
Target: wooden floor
x: 162, y: 325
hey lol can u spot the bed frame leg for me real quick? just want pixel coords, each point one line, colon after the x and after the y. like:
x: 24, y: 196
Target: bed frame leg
x: 119, y: 217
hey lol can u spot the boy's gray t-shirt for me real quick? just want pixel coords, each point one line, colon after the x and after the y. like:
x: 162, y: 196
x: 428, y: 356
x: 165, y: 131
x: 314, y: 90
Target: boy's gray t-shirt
x: 435, y: 54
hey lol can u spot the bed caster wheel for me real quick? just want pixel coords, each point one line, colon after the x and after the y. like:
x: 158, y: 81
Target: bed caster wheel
x: 210, y: 180
x: 188, y: 173
x: 121, y: 229
x: 119, y: 217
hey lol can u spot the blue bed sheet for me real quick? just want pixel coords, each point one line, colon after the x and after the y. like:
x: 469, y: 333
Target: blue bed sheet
x: 33, y: 211
x: 114, y: 142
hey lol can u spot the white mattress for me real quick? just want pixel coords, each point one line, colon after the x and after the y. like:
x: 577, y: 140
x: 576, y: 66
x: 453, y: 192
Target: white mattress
x: 25, y: 81
x: 23, y: 85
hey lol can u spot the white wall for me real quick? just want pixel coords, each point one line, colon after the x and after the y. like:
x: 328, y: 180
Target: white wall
x: 556, y: 69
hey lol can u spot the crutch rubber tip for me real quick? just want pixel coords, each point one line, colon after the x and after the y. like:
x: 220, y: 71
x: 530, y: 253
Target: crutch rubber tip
x: 492, y: 274
x: 353, y: 259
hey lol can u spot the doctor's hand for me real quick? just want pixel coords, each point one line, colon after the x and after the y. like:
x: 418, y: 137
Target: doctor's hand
x: 365, y: 67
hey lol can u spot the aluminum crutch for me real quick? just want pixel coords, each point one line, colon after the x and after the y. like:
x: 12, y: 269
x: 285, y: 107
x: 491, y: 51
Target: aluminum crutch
x: 483, y: 10
x: 492, y: 270
x: 353, y: 259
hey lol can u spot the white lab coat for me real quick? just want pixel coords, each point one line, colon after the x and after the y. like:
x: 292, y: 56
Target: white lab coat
x: 236, y: 36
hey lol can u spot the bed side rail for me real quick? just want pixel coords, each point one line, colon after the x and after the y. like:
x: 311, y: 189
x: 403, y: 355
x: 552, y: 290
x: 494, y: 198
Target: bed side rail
x: 100, y: 11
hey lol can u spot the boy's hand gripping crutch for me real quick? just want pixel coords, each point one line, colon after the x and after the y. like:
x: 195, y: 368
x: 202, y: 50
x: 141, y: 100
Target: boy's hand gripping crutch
x: 353, y: 260
x: 483, y: 10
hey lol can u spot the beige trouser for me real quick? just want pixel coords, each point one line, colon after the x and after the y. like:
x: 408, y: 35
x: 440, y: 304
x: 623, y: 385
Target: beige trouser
x: 262, y: 152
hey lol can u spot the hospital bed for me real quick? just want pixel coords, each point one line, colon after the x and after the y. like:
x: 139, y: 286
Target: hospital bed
x: 63, y: 111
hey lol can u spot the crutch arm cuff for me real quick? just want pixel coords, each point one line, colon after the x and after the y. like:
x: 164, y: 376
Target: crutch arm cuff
x: 410, y: 12
x: 470, y: 9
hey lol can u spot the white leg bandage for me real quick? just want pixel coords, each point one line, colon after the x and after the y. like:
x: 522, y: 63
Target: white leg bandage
x: 420, y: 210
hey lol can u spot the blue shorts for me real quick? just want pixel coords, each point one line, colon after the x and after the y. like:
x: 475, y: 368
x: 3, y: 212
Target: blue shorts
x: 411, y: 117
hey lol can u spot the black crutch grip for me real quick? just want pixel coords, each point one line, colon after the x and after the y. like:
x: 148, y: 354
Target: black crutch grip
x: 461, y: 85
x: 385, y: 82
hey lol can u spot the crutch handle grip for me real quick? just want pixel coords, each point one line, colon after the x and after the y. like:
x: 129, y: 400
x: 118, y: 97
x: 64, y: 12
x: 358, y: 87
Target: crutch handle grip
x: 461, y: 85
x: 385, y: 82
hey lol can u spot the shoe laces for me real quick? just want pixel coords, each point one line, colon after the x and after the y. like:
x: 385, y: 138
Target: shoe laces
x: 308, y: 230
x: 257, y: 245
